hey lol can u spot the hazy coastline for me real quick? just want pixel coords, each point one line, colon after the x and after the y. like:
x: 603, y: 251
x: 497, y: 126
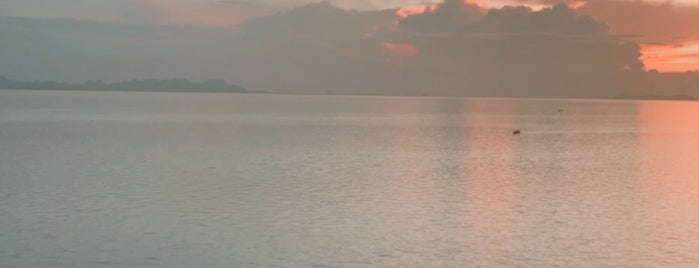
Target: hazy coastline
x: 135, y: 85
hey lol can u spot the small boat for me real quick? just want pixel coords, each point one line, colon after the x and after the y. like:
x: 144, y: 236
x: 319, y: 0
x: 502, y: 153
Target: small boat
x: 516, y: 131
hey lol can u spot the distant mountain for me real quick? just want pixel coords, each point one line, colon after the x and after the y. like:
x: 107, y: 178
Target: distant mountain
x: 168, y: 85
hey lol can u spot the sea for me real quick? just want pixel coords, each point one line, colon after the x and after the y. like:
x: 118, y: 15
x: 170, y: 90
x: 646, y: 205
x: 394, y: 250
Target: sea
x: 135, y: 179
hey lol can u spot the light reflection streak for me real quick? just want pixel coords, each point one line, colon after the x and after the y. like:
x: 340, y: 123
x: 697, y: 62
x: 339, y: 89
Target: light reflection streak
x: 669, y: 138
x: 490, y: 189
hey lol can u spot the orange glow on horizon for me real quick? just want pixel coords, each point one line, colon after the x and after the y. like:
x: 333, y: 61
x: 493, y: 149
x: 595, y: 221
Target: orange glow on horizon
x: 671, y: 58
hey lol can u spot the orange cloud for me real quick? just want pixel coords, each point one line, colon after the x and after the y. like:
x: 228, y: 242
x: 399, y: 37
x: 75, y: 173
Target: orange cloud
x: 481, y: 3
x: 401, y: 49
x: 415, y: 10
x: 671, y: 58
x: 577, y: 4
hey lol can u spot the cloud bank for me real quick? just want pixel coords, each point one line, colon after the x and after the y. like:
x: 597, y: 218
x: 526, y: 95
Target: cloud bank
x: 450, y: 48
x: 454, y: 48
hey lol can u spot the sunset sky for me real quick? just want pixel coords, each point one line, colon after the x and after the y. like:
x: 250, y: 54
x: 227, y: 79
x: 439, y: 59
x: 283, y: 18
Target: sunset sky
x: 412, y: 36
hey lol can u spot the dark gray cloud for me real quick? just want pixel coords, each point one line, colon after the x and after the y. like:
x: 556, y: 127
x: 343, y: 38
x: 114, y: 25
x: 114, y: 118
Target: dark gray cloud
x: 455, y: 49
x: 320, y: 21
x: 650, y: 21
x: 516, y: 51
x: 451, y: 15
x: 558, y: 19
x: 655, y: 22
x: 457, y: 15
x: 528, y: 64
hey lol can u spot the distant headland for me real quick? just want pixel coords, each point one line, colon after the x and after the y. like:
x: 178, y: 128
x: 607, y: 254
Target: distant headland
x: 155, y: 85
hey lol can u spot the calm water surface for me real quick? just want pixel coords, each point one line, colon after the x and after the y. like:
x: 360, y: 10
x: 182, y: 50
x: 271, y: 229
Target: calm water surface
x: 91, y: 179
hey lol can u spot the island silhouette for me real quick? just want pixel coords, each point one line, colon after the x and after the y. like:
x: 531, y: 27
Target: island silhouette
x: 159, y: 85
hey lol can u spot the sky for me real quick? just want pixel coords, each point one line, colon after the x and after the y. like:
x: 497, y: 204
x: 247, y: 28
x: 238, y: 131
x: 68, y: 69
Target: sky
x: 362, y: 46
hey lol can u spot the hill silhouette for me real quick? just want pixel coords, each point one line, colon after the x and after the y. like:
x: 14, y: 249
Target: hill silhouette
x: 166, y: 85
